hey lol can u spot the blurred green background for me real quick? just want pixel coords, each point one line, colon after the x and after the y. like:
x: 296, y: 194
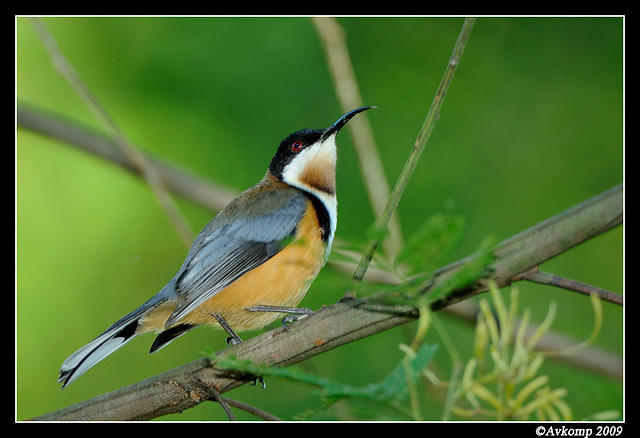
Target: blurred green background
x: 531, y: 126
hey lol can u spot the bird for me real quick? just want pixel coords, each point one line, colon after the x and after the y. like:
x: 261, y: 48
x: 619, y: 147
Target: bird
x: 253, y: 262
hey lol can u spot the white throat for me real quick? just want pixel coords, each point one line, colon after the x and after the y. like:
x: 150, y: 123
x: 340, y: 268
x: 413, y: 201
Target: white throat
x: 317, y: 163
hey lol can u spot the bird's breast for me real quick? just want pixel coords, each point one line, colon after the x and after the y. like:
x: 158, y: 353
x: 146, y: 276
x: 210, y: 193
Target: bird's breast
x: 282, y: 280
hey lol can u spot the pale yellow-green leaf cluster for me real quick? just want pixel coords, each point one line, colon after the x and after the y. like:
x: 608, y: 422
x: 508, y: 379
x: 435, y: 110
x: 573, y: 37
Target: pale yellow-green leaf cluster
x: 502, y: 380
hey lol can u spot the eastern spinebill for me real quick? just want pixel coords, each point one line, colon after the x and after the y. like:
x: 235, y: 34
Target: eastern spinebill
x: 253, y: 262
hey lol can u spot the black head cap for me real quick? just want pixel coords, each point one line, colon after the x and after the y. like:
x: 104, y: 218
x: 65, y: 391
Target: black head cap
x: 296, y: 141
x: 290, y: 146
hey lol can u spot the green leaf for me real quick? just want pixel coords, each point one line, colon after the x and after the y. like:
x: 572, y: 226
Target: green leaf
x: 395, y: 386
x: 468, y: 273
x: 247, y: 366
x: 392, y: 388
x: 432, y: 243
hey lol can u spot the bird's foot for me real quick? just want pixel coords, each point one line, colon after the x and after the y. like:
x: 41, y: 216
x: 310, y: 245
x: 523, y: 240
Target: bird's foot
x: 294, y: 313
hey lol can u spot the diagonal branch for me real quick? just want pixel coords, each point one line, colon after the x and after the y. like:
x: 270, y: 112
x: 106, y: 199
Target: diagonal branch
x: 534, y: 246
x: 347, y: 321
x: 344, y: 80
x: 136, y: 159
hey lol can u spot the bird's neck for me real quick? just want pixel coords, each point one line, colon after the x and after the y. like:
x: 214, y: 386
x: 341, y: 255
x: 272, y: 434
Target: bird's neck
x: 327, y: 199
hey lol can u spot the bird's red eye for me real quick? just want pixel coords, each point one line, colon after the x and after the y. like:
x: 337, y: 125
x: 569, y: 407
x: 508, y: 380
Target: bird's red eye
x: 296, y: 146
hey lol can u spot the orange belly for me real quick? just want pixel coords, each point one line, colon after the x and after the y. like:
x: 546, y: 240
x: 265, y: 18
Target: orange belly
x: 283, y: 280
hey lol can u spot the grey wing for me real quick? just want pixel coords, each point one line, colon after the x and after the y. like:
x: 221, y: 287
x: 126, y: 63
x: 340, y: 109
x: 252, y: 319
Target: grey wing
x: 235, y: 242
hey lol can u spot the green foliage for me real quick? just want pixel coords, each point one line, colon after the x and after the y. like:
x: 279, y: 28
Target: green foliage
x: 502, y: 380
x: 426, y: 249
x: 432, y: 243
x: 468, y: 273
x: 92, y: 237
x: 392, y: 390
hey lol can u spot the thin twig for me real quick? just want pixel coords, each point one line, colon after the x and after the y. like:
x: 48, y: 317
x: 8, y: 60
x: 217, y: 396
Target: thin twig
x: 542, y: 277
x: 344, y: 81
x: 133, y: 155
x: 416, y: 151
x: 251, y: 409
x: 450, y: 398
x: 224, y: 403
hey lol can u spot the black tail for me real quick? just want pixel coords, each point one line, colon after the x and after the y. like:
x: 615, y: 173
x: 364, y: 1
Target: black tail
x: 169, y: 335
x: 121, y: 332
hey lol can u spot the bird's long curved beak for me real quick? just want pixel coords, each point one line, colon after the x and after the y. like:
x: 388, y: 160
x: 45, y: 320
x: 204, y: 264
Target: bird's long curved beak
x: 333, y: 129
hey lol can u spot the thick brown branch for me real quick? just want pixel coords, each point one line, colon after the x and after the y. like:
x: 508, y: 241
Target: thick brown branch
x: 537, y: 244
x: 344, y: 322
